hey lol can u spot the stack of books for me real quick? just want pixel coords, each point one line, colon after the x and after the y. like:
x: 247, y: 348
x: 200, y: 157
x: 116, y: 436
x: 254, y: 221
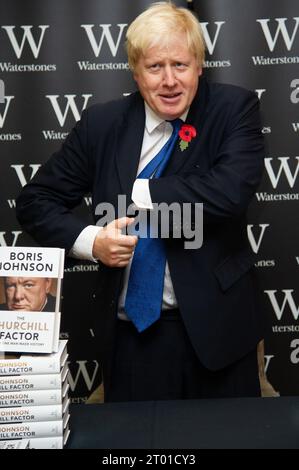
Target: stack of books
x: 34, y: 403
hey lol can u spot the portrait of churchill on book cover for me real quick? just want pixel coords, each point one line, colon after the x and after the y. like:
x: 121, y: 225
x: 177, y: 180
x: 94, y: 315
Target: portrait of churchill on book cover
x: 27, y: 294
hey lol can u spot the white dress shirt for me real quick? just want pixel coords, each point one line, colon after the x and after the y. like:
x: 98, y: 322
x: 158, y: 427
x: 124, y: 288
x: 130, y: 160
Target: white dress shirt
x: 156, y: 133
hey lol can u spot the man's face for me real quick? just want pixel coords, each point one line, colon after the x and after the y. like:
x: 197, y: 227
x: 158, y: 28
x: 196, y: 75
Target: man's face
x: 26, y: 293
x: 167, y: 77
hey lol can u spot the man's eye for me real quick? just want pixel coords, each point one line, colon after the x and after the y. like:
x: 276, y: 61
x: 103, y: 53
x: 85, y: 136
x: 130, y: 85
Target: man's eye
x: 28, y: 285
x: 180, y: 65
x: 154, y: 66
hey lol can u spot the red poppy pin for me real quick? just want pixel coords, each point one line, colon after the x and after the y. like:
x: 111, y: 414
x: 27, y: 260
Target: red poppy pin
x: 186, y: 134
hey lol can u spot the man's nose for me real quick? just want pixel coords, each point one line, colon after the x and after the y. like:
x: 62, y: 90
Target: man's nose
x: 19, y: 293
x: 169, y: 76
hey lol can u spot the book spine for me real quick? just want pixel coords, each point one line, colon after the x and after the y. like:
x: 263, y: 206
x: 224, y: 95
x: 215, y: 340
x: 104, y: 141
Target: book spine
x: 37, y: 366
x: 17, y: 444
x: 33, y: 365
x: 56, y: 332
x: 47, y: 442
x: 30, y: 382
x: 31, y: 413
x: 37, y: 397
x: 31, y: 430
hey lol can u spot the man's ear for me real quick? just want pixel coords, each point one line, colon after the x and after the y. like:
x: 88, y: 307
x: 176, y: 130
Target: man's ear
x: 135, y: 73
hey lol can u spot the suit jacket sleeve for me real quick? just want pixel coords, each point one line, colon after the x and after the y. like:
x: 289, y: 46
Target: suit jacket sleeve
x: 227, y: 185
x: 44, y: 207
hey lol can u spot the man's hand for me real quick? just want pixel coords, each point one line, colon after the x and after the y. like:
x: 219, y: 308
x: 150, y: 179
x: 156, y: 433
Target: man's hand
x: 113, y: 248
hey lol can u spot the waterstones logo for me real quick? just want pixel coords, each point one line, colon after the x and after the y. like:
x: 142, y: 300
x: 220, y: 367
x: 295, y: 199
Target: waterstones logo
x: 10, y: 238
x: 2, y: 92
x: 86, y: 371
x: 3, y: 113
x: 283, y: 303
x: 295, y: 126
x: 19, y: 170
x: 279, y: 306
x: 82, y: 268
x: 282, y: 32
x: 104, y: 41
x: 260, y: 92
x: 284, y: 169
x: 255, y: 236
x: 63, y: 111
x: 24, y: 175
x: 211, y: 39
x: 5, y: 102
x: 24, y: 38
x: 256, y: 240
x: 268, y: 359
x: 88, y: 201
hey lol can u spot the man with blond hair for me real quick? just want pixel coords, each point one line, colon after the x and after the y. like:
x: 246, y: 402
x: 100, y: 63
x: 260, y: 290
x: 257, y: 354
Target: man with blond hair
x: 173, y: 322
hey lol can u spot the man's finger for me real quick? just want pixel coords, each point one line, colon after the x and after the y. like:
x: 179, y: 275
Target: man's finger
x: 127, y: 241
x: 121, y: 222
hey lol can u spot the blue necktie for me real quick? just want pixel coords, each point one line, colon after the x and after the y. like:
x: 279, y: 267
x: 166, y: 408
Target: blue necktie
x: 146, y: 281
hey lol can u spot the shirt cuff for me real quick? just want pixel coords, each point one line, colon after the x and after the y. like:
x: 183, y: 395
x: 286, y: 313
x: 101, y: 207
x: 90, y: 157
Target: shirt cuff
x: 141, y: 195
x: 82, y: 248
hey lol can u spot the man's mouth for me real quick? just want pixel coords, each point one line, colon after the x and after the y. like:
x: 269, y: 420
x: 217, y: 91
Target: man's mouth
x: 170, y: 97
x: 19, y: 307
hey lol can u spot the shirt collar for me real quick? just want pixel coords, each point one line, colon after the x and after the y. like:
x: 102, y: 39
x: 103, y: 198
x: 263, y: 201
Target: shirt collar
x: 152, y: 120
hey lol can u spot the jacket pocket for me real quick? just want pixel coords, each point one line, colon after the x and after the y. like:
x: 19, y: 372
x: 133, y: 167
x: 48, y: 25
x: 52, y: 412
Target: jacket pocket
x: 233, y: 268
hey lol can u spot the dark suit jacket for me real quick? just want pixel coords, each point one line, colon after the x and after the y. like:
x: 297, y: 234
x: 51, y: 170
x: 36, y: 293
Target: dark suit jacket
x: 214, y: 285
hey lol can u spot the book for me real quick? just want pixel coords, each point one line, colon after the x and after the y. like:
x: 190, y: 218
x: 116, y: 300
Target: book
x: 16, y: 383
x: 33, y: 398
x: 14, y: 445
x: 57, y: 442
x: 30, y: 293
x: 33, y: 429
x: 33, y: 364
x: 22, y: 414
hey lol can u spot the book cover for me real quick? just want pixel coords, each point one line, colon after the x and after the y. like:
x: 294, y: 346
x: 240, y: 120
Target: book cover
x: 30, y: 293
x: 32, y: 364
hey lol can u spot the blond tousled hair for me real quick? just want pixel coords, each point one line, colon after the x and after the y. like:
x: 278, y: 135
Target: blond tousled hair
x: 155, y: 25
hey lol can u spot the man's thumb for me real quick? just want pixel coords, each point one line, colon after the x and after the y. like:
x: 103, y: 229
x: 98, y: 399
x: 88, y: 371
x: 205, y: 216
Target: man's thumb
x: 122, y: 222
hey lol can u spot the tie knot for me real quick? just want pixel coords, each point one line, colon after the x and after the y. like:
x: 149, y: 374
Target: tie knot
x: 176, y: 124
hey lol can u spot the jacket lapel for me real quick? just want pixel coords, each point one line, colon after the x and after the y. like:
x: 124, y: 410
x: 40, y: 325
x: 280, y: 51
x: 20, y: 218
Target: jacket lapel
x: 195, y: 118
x: 129, y: 144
